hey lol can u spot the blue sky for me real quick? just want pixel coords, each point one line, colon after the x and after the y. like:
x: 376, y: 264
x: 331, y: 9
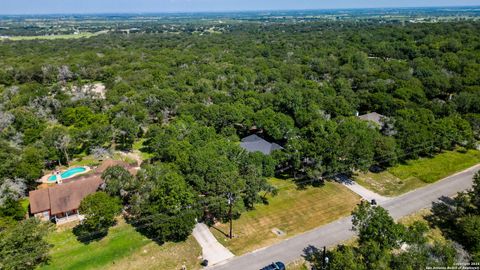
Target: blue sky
x: 133, y: 6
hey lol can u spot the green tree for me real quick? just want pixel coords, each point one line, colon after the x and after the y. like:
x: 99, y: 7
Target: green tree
x: 126, y: 129
x: 415, y: 134
x: 24, y: 246
x: 100, y: 211
x: 375, y: 224
x: 9, y: 158
x: 470, y: 232
x: 31, y: 165
x: 164, y: 207
x: 11, y: 210
x: 59, y: 143
x: 277, y: 125
x: 343, y: 257
x: 118, y: 182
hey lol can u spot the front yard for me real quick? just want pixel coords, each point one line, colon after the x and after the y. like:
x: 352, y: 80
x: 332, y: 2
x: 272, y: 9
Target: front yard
x: 292, y: 211
x: 417, y: 173
x: 122, y: 248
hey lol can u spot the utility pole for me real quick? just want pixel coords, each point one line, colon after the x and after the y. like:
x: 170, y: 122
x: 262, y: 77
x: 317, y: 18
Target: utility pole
x: 325, y: 259
x: 230, y: 201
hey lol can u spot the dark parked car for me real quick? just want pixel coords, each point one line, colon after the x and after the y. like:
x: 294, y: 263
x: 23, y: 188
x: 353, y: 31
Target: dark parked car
x: 373, y: 202
x: 275, y: 266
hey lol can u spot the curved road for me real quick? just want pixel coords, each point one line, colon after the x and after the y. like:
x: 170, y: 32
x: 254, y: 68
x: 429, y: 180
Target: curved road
x: 340, y: 230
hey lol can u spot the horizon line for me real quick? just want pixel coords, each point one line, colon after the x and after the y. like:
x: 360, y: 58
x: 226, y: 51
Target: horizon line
x: 234, y: 11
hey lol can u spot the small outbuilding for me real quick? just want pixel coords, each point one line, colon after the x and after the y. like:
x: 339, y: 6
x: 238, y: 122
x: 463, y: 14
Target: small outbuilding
x: 254, y: 143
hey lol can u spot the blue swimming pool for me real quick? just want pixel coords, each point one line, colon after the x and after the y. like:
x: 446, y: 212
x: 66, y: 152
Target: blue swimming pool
x: 68, y: 173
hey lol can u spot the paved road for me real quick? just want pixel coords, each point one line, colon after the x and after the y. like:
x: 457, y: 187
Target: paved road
x: 340, y: 230
x: 212, y: 250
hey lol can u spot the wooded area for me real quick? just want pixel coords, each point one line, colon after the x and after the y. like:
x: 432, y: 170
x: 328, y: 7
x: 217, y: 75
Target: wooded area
x: 192, y: 97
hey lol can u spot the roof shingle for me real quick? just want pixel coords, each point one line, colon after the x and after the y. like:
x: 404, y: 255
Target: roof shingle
x: 254, y: 143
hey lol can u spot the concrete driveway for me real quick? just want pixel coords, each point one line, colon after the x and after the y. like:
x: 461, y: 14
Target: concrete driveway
x: 212, y: 250
x: 366, y: 194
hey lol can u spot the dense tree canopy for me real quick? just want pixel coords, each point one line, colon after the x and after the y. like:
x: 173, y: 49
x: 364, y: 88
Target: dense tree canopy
x: 299, y: 84
x: 190, y: 98
x: 24, y: 246
x: 164, y: 207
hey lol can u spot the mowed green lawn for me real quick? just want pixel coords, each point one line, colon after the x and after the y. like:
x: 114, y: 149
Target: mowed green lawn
x: 122, y: 248
x: 293, y: 211
x: 417, y: 173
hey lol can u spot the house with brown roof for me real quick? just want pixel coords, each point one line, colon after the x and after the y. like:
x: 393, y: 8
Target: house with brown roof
x: 60, y: 203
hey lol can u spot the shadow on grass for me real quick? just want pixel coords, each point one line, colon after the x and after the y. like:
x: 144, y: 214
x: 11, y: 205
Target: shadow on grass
x: 377, y: 169
x: 444, y: 216
x: 86, y: 235
x: 305, y: 182
x: 220, y: 231
x: 162, y: 228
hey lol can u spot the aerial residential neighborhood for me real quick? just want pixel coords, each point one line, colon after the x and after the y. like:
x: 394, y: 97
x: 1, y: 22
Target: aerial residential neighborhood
x: 244, y: 135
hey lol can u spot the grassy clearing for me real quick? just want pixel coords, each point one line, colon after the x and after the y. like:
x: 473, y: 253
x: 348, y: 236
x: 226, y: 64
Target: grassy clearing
x: 417, y: 173
x: 25, y: 203
x: 137, y: 146
x: 84, y: 161
x: 430, y: 170
x: 387, y: 184
x: 123, y: 248
x: 69, y: 36
x: 293, y: 211
x: 124, y: 157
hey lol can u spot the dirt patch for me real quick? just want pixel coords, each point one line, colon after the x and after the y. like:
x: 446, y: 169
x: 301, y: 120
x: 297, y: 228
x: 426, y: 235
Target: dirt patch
x: 96, y: 88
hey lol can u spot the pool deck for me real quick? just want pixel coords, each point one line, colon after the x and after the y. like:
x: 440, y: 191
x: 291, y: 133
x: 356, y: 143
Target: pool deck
x: 45, y: 180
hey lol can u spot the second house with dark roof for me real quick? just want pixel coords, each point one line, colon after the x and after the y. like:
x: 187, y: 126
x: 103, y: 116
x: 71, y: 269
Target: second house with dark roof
x: 254, y: 143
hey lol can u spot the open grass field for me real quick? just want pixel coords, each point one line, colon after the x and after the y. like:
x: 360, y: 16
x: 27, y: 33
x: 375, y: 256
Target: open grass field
x: 433, y: 169
x: 417, y: 173
x: 122, y: 248
x: 387, y: 184
x: 84, y: 161
x: 292, y: 211
x: 69, y: 36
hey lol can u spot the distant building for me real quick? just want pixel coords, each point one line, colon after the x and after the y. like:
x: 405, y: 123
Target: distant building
x: 374, y: 117
x: 254, y: 143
